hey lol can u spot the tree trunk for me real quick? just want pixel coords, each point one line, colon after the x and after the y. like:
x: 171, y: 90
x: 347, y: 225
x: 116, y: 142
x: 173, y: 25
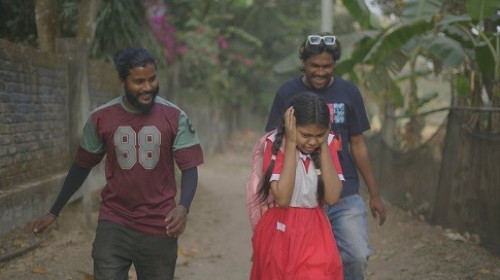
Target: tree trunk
x: 46, y: 24
x: 412, y: 136
x: 87, y: 13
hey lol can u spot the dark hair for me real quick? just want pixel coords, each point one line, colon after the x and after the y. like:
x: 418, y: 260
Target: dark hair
x: 306, y: 50
x: 130, y: 58
x: 309, y: 109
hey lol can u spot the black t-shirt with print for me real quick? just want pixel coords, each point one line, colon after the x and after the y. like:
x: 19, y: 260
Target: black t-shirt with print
x: 347, y: 113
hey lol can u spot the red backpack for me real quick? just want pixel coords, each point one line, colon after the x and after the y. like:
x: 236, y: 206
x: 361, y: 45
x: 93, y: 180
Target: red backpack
x: 256, y: 208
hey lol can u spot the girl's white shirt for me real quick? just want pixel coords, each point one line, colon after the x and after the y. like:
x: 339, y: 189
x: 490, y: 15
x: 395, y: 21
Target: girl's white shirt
x: 305, y: 191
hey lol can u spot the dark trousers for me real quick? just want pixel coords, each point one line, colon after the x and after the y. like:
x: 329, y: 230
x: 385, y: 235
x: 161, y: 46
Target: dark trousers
x: 116, y: 248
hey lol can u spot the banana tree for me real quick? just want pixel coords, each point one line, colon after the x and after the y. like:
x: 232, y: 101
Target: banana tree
x: 478, y: 32
x: 397, y: 46
x: 447, y: 41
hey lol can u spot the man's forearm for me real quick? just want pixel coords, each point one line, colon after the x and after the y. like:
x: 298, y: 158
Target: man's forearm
x: 73, y: 181
x: 189, y: 183
x: 361, y: 158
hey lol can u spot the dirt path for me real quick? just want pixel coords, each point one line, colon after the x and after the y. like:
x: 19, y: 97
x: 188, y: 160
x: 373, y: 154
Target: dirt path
x: 217, y: 244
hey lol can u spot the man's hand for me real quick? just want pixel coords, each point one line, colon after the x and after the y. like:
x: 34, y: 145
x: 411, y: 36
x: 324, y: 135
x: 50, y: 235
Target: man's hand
x: 378, y: 209
x: 43, y: 222
x: 176, y: 220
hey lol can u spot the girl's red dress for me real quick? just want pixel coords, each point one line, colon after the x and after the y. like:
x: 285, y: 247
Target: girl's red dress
x: 294, y: 243
x: 304, y: 250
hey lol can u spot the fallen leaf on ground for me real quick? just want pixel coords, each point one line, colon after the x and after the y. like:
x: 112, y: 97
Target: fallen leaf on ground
x: 40, y: 270
x: 86, y: 276
x: 485, y: 270
x: 187, y: 253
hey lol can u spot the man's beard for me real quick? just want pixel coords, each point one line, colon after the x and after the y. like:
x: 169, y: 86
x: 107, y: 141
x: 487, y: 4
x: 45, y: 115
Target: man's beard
x: 134, y: 100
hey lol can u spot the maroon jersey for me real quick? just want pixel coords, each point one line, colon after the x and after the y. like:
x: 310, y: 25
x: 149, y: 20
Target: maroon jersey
x: 140, y: 149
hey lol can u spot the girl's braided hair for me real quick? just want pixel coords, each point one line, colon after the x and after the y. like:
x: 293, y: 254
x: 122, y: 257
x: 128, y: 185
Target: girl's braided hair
x: 309, y: 108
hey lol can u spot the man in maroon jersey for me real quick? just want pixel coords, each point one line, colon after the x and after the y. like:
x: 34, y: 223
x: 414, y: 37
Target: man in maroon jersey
x: 142, y: 135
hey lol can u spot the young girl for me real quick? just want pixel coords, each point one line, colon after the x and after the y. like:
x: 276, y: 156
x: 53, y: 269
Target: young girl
x: 294, y: 240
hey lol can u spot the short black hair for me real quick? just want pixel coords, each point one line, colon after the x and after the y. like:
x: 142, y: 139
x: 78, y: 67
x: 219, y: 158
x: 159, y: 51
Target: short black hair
x: 306, y: 50
x: 130, y: 58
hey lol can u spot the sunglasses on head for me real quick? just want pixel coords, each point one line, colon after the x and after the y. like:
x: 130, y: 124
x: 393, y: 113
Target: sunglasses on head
x: 329, y: 40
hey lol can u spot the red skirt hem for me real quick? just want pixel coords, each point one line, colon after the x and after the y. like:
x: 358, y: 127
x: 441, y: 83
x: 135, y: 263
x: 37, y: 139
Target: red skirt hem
x: 295, y: 244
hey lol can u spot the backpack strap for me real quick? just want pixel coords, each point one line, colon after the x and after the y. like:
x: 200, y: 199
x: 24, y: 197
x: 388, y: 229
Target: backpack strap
x: 255, y: 208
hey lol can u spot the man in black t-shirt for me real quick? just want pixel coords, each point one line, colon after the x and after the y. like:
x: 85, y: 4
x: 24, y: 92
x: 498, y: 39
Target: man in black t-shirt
x: 319, y: 54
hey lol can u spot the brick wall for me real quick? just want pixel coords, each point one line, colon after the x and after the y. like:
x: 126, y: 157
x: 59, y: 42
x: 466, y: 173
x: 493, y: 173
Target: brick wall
x: 44, y: 102
x: 103, y: 83
x: 33, y: 114
x: 40, y: 125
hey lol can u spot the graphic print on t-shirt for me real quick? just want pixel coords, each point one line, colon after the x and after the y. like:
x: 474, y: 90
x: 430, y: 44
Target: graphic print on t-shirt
x: 131, y: 147
x: 337, y: 116
x: 339, y: 113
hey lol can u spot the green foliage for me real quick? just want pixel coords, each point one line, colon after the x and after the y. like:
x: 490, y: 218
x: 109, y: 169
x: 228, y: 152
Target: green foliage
x: 416, y: 10
x: 237, y: 52
x: 393, y: 39
x: 485, y: 59
x: 18, y: 21
x: 359, y: 8
x: 232, y: 46
x: 226, y: 49
x: 462, y: 86
x: 68, y: 17
x: 480, y: 42
x: 448, y: 51
x: 121, y: 24
x: 446, y: 41
x: 481, y: 9
x: 452, y: 27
